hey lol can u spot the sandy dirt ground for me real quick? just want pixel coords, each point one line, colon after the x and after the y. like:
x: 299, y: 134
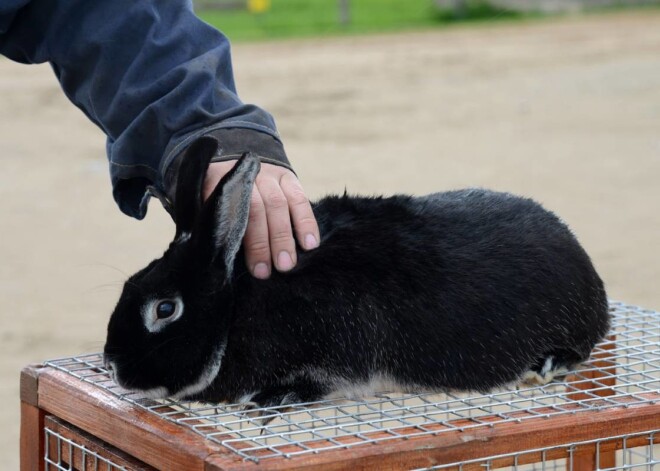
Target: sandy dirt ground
x: 567, y: 112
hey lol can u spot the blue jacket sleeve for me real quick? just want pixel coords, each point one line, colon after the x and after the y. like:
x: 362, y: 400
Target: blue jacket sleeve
x: 150, y: 74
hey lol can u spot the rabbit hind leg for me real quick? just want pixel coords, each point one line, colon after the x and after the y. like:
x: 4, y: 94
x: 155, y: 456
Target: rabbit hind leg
x: 549, y: 368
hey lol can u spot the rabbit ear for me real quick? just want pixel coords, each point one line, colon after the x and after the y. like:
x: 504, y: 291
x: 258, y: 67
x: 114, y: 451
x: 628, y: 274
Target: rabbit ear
x: 231, y: 208
x: 191, y: 173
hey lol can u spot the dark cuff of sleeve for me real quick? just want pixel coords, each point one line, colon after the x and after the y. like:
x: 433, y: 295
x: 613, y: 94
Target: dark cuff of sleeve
x: 232, y: 144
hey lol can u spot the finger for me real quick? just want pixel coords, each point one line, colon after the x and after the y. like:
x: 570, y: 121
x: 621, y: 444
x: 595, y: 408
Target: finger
x: 304, y: 222
x: 255, y: 241
x: 282, y: 245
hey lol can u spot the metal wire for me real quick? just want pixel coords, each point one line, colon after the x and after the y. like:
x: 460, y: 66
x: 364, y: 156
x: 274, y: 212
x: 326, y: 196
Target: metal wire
x: 623, y: 373
x: 638, y: 458
x: 65, y: 452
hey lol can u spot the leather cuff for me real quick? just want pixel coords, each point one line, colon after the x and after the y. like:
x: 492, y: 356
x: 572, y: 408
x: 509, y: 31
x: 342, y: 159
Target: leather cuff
x: 232, y: 143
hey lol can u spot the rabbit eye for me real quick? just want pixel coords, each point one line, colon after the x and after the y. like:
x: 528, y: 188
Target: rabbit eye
x: 165, y: 309
x: 158, y: 313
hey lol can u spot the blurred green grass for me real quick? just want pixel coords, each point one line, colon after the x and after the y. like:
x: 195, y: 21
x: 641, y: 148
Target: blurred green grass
x: 296, y: 18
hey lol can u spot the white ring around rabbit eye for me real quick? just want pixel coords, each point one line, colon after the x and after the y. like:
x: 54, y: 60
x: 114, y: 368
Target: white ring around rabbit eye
x: 154, y: 323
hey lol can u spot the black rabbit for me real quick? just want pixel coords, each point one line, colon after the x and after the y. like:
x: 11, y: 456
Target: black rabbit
x: 463, y: 290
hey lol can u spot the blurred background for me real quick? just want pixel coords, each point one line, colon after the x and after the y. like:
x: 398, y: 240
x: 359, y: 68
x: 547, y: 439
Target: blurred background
x: 558, y: 100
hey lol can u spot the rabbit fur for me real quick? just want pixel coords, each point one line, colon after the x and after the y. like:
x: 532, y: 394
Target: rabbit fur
x: 462, y: 290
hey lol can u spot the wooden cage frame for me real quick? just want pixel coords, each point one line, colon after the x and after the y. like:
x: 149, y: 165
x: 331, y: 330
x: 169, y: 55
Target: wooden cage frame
x: 59, y: 407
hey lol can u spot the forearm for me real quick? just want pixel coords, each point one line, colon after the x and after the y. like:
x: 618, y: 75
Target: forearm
x: 150, y: 74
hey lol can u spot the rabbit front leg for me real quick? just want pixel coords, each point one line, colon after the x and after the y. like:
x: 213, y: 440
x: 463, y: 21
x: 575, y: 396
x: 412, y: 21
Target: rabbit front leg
x: 279, y: 397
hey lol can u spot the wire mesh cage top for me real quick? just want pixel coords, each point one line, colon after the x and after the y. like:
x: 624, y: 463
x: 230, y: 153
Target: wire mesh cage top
x: 624, y: 371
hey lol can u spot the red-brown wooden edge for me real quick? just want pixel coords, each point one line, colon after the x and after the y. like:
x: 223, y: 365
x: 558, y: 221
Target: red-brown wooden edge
x: 32, y: 421
x: 456, y: 446
x: 165, y: 445
x: 31, y: 441
x: 158, y: 442
x: 602, y: 373
x: 591, y: 458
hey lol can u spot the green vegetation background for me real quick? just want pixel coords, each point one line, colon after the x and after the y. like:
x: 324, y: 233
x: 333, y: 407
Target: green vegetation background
x: 295, y: 18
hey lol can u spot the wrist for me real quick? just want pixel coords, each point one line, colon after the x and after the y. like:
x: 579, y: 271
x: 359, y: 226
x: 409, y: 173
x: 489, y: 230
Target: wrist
x: 233, y: 142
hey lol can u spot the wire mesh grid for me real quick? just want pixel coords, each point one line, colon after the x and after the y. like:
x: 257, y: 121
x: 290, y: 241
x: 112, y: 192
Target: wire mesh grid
x: 63, y: 454
x: 623, y: 372
x: 638, y: 452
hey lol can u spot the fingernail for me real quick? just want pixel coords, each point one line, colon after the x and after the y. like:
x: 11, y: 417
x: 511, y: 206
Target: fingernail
x: 261, y: 271
x: 310, y: 242
x: 284, y: 261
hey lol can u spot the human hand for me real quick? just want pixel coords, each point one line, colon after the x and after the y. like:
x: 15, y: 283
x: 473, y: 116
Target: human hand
x: 278, y: 201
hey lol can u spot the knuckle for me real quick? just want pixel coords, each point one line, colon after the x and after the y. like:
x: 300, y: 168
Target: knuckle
x: 255, y: 216
x: 256, y: 211
x: 258, y: 248
x: 275, y: 200
x: 281, y: 238
x: 306, y: 221
x: 299, y: 198
x: 255, y: 200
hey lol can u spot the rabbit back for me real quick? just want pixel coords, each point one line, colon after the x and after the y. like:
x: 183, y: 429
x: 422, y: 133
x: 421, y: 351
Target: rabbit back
x: 461, y: 290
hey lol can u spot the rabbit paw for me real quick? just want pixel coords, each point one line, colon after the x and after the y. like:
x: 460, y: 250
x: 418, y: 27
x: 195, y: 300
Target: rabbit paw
x: 268, y: 404
x: 544, y: 373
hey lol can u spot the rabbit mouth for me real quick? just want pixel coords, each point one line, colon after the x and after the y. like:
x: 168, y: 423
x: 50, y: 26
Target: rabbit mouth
x: 159, y: 392
x: 204, y: 380
x: 110, y: 365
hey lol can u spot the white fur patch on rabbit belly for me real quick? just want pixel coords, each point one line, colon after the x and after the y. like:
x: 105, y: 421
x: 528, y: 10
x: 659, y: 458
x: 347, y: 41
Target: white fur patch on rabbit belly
x: 206, y: 378
x: 247, y: 398
x: 377, y: 383
x: 155, y: 393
